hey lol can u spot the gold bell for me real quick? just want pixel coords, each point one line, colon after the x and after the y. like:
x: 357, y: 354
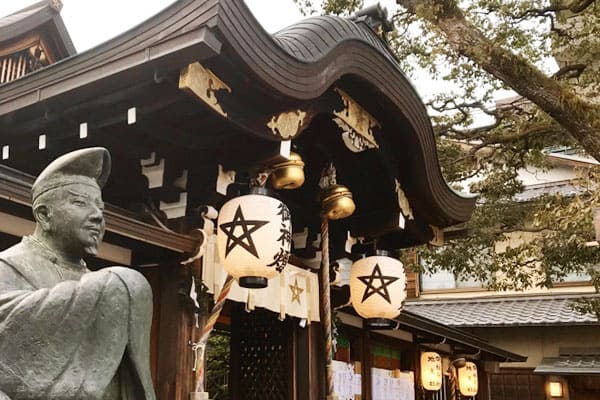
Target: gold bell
x: 288, y: 174
x: 337, y: 202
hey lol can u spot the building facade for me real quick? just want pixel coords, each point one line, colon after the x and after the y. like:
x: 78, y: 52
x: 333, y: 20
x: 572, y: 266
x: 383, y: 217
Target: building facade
x: 541, y: 323
x: 196, y: 105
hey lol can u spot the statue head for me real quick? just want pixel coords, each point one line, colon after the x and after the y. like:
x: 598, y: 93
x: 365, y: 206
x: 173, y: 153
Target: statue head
x: 67, y: 202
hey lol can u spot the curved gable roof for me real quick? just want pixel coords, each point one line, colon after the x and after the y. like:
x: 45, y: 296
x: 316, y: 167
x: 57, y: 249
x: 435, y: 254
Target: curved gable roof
x: 305, y: 59
x: 312, y: 39
x: 299, y: 64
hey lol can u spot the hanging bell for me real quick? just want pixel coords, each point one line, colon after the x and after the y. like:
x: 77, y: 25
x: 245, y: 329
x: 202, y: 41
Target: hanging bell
x: 288, y: 174
x: 337, y: 202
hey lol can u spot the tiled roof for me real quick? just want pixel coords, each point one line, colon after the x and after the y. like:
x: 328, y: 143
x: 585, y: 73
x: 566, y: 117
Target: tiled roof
x: 18, y: 16
x: 569, y: 365
x: 564, y: 188
x: 542, y: 310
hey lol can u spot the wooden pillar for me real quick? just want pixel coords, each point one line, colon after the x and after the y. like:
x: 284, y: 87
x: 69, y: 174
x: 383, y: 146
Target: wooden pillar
x: 366, y: 362
x: 175, y: 358
x: 484, y: 381
x: 308, y: 363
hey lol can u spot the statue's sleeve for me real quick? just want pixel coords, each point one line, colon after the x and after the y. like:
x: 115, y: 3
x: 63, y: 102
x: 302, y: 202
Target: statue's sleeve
x: 68, y: 341
x: 11, y: 279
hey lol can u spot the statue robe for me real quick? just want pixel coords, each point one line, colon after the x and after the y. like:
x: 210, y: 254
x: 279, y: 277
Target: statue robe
x: 67, y: 333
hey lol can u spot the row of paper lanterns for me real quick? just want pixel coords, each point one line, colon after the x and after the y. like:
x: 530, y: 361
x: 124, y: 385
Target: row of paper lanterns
x: 431, y: 374
x: 254, y: 240
x: 254, y: 237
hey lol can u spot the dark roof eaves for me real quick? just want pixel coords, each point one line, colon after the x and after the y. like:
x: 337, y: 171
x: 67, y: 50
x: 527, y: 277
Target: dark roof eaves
x: 65, y: 38
x: 39, y: 4
x: 417, y: 321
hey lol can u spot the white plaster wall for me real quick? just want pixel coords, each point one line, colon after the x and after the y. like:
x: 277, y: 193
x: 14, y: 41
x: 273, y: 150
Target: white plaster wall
x: 469, y: 293
x: 538, y: 342
x: 536, y: 176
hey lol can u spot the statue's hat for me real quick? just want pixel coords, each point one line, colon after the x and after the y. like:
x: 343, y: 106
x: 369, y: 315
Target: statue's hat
x: 88, y: 166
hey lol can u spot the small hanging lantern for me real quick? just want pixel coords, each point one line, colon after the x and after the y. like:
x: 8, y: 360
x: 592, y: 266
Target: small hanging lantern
x: 555, y: 387
x: 288, y: 174
x: 377, y: 290
x: 467, y: 379
x: 431, y: 371
x: 254, y: 238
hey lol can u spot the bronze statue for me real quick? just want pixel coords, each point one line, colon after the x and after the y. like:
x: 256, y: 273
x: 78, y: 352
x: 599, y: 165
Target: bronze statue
x: 65, y: 332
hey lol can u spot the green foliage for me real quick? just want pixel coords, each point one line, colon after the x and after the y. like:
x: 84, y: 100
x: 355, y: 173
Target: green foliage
x: 217, y: 365
x: 341, y: 7
x: 329, y: 7
x: 483, y: 145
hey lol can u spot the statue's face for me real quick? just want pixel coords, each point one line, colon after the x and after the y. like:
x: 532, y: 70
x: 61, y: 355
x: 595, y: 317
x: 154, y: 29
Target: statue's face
x: 76, y: 219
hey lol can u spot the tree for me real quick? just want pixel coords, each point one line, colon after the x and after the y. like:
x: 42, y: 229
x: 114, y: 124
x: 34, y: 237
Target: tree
x: 482, y: 46
x: 217, y: 365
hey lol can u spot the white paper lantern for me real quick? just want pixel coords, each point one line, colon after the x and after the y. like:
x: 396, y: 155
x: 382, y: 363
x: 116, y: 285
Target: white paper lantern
x: 431, y: 370
x: 377, y: 290
x: 254, y: 236
x: 467, y: 379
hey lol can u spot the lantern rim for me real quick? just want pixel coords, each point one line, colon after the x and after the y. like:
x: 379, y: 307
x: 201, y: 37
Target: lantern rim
x: 253, y: 282
x: 261, y: 190
x: 380, y: 323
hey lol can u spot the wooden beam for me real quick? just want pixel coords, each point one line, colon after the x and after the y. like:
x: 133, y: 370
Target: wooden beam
x: 376, y: 224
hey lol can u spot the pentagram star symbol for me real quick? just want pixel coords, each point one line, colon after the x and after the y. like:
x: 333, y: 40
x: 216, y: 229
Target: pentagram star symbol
x: 381, y: 289
x: 245, y: 239
x: 296, y: 291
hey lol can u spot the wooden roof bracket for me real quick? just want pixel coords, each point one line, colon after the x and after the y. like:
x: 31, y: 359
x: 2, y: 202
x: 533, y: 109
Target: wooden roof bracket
x: 202, y: 83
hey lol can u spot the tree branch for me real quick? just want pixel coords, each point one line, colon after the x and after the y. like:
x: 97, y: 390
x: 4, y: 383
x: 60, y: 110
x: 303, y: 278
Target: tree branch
x: 575, y: 6
x: 570, y: 71
x: 578, y: 6
x: 579, y: 117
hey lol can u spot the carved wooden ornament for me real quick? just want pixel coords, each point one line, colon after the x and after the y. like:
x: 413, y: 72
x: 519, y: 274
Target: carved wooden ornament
x: 203, y: 83
x: 360, y: 135
x: 287, y: 124
x: 403, y: 202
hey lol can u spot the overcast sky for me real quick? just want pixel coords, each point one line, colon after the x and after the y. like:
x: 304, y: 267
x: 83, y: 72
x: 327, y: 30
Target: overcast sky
x: 91, y: 22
